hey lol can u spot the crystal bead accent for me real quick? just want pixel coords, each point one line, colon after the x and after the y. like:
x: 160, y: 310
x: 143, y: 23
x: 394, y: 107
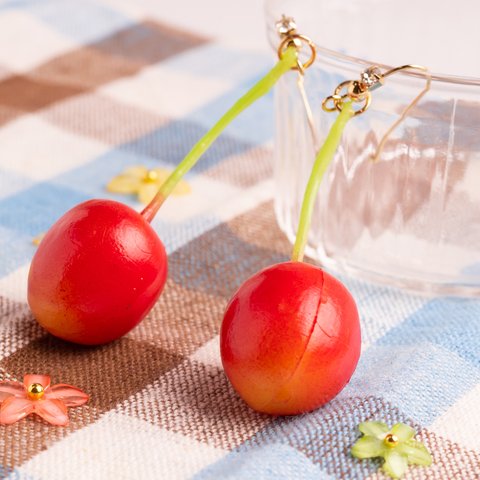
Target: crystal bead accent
x: 286, y: 25
x: 371, y: 77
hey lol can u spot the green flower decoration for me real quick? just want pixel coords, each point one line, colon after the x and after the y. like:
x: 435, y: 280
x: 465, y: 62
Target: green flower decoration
x: 395, y: 445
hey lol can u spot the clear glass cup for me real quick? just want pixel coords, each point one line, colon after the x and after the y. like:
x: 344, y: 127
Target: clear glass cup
x: 411, y: 219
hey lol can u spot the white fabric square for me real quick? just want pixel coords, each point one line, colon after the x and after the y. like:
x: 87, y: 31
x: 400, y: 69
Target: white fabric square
x: 40, y: 150
x: 384, y: 310
x: 43, y: 43
x: 165, y: 91
x: 209, y: 353
x: 20, y: 330
x: 14, y: 285
x: 130, y: 9
x: 206, y: 196
x: 123, y: 448
x: 460, y: 423
x: 4, y: 73
x: 211, y: 21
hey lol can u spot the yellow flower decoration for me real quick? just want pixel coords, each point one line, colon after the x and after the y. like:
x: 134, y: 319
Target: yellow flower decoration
x: 145, y: 183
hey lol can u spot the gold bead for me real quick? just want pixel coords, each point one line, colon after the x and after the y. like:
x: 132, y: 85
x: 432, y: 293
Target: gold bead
x: 152, y: 176
x: 35, y: 391
x: 390, y: 440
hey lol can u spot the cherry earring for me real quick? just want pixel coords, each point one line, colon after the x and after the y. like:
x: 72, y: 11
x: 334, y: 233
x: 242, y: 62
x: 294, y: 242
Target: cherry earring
x: 101, y: 267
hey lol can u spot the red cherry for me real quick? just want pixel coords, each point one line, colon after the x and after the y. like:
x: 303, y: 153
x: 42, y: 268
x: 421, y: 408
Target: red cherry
x: 96, y: 273
x: 101, y: 267
x: 290, y: 339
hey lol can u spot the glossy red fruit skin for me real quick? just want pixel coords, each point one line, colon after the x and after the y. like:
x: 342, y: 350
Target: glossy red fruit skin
x: 290, y: 339
x: 97, y: 273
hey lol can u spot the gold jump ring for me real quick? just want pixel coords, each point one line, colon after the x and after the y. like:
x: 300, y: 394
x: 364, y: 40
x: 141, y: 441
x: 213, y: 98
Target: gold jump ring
x: 289, y: 40
x: 366, y: 98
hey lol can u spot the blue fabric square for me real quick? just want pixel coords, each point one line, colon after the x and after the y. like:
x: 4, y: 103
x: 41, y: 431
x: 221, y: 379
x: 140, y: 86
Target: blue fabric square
x: 423, y: 379
x: 254, y: 125
x: 14, y: 474
x: 16, y: 249
x: 451, y: 323
x: 91, y: 178
x: 12, y: 182
x: 173, y: 141
x: 83, y: 21
x: 35, y: 209
x: 267, y: 462
x: 322, y: 438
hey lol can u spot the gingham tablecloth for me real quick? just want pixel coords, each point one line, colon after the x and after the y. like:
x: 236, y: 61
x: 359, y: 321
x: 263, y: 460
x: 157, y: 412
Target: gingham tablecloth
x: 89, y: 88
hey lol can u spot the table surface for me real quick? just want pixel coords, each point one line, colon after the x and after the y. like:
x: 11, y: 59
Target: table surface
x: 89, y: 88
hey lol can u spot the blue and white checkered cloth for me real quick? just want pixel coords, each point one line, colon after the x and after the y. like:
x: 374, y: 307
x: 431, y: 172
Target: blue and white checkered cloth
x: 89, y: 88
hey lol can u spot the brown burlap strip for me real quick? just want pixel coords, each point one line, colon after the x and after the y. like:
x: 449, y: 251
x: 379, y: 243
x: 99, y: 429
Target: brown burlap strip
x: 124, y: 53
x: 245, y: 169
x: 148, y: 42
x: 109, y: 373
x: 102, y: 118
x: 7, y: 113
x: 121, y: 54
x: 29, y: 94
x: 218, y: 261
x: 17, y: 327
x: 258, y: 227
x: 86, y: 68
x: 182, y: 320
x: 197, y: 400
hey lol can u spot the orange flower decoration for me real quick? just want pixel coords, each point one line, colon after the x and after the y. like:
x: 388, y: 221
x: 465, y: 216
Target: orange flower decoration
x: 35, y: 395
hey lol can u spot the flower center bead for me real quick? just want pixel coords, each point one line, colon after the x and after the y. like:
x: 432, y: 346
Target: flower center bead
x: 390, y: 440
x: 35, y: 391
x: 151, y: 176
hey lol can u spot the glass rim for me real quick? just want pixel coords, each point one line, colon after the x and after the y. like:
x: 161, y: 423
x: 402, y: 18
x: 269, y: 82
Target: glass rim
x: 437, y: 77
x: 445, y: 78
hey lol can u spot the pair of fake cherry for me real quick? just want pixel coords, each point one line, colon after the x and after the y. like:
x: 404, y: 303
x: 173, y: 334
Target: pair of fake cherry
x: 290, y: 337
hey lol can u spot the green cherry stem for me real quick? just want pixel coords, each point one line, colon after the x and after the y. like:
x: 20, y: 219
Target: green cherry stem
x: 262, y: 87
x: 322, y: 161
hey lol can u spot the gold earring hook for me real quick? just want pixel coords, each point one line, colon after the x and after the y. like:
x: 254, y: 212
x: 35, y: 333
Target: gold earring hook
x: 359, y: 91
x: 287, y: 30
x: 355, y: 91
x: 428, y: 79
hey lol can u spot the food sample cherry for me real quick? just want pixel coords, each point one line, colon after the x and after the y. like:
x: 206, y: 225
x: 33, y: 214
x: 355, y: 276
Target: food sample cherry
x: 101, y: 267
x: 290, y: 336
x: 97, y: 273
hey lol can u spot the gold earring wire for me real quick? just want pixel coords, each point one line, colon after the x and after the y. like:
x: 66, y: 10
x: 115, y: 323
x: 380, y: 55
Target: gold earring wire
x: 287, y: 30
x: 359, y: 91
x: 428, y: 78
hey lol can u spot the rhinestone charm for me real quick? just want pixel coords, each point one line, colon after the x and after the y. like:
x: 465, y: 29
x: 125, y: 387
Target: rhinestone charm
x: 372, y: 78
x: 286, y: 26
